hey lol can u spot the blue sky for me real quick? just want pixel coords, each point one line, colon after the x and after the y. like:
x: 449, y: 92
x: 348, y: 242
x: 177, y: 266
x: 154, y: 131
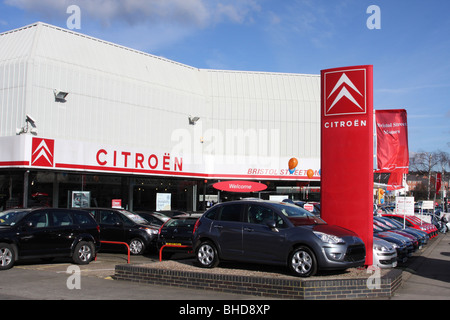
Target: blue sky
x: 410, y: 53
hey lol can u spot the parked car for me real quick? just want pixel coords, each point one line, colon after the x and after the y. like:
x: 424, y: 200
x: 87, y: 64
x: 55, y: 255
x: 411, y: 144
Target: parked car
x: 177, y: 231
x: 274, y: 233
x: 416, y: 223
x: 414, y: 239
x: 384, y: 254
x: 124, y: 226
x: 422, y: 235
x: 155, y: 218
x: 47, y: 233
x: 402, y: 245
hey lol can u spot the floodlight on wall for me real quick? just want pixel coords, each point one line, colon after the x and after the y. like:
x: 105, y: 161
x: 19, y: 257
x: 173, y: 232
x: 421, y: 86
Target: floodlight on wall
x: 29, y: 120
x: 193, y: 120
x: 60, y: 96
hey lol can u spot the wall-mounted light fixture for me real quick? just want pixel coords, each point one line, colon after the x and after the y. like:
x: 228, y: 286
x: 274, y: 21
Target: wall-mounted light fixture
x: 60, y: 96
x: 193, y: 120
x: 29, y: 120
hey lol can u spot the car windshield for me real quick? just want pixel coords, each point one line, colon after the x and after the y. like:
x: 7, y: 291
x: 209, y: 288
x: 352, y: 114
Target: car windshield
x: 377, y: 229
x: 11, y: 217
x: 391, y: 223
x: 134, y: 217
x: 296, y: 212
x: 182, y: 222
x: 381, y: 225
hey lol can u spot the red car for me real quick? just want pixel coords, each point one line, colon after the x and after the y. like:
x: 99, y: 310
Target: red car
x: 416, y: 223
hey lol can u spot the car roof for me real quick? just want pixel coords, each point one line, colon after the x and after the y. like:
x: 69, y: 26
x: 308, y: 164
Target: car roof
x: 188, y: 215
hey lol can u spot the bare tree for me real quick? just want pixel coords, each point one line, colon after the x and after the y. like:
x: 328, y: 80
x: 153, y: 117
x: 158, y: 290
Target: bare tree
x: 443, y: 159
x: 423, y: 163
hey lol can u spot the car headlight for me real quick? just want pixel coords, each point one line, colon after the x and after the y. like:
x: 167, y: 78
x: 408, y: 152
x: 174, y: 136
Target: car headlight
x: 151, y: 231
x: 381, y: 248
x: 328, y: 238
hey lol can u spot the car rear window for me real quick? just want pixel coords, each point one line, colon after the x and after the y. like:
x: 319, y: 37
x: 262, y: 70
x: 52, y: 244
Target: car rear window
x: 82, y: 218
x: 62, y: 218
x: 231, y: 212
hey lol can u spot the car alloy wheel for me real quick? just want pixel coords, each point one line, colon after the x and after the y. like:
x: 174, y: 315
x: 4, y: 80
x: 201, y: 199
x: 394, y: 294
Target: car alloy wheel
x: 303, y: 262
x: 207, y: 255
x: 83, y: 253
x: 6, y: 258
x: 136, y: 246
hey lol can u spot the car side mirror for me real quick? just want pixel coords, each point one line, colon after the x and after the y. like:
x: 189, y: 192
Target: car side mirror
x: 272, y: 225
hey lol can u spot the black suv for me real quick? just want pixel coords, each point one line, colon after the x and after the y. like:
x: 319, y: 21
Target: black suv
x: 47, y: 233
x: 118, y: 225
x: 274, y: 233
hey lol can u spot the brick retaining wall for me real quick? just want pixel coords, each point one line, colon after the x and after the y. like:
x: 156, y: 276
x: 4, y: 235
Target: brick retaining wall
x: 295, y: 288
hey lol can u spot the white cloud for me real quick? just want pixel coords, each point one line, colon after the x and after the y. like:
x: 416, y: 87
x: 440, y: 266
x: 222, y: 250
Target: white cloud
x: 193, y: 13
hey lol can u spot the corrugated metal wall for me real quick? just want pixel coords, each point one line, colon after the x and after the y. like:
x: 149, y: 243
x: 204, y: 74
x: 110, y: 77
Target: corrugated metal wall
x: 285, y: 103
x: 124, y: 97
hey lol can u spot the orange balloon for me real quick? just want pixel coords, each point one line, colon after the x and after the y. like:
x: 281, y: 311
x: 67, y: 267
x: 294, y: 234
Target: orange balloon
x: 293, y: 162
x: 310, y: 173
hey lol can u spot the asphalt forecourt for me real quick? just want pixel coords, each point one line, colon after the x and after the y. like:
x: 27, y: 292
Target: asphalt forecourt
x: 234, y: 280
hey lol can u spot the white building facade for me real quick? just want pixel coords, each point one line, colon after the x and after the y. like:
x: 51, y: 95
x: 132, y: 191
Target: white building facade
x: 78, y: 114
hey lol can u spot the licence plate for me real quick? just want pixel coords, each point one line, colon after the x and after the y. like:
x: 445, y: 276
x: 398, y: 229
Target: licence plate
x: 173, y: 244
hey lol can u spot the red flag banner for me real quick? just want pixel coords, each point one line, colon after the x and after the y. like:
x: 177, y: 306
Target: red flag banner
x: 392, y: 140
x: 395, y: 181
x: 438, y: 182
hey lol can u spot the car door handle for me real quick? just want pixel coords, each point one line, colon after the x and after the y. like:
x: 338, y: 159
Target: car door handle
x: 249, y: 229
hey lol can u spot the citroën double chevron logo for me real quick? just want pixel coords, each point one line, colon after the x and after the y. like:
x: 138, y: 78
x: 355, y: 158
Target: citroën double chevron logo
x: 345, y: 92
x: 42, y: 152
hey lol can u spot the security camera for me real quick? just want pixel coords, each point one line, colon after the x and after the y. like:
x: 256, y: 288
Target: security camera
x: 30, y: 120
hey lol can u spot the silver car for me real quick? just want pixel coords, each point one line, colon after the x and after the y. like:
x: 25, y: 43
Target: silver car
x: 384, y: 254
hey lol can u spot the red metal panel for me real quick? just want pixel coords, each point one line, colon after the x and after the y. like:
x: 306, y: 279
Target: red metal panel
x: 347, y: 150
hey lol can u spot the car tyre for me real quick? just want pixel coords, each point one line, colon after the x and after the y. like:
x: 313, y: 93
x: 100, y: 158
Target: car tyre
x: 84, y: 253
x: 7, y: 256
x: 137, y: 246
x: 302, y: 262
x: 206, y: 255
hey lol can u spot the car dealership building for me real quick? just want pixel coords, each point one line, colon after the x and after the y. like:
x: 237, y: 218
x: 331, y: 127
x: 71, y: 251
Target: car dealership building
x: 88, y: 122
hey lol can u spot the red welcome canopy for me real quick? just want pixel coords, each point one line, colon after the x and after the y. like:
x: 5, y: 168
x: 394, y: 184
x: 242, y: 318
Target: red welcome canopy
x: 239, y: 186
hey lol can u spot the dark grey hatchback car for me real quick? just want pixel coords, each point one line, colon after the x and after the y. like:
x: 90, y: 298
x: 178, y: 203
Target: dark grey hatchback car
x: 274, y: 233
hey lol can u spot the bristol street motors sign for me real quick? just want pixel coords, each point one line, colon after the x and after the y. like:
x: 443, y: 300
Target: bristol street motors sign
x: 347, y: 150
